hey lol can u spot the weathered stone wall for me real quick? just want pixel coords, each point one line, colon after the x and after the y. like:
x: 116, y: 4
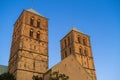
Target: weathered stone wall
x: 29, y: 49
x: 70, y: 67
x: 78, y: 43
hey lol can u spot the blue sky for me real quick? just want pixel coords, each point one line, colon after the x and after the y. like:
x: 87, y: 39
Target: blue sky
x: 100, y: 19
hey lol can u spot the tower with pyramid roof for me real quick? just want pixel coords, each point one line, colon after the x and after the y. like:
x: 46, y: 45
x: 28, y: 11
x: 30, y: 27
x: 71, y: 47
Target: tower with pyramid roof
x: 78, y: 44
x: 29, y: 48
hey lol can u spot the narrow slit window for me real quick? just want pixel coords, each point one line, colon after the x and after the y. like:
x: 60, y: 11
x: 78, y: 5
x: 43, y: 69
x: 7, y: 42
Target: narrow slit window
x: 68, y: 40
x: 70, y: 50
x: 34, y: 64
x: 65, y: 53
x: 65, y: 43
x: 79, y: 39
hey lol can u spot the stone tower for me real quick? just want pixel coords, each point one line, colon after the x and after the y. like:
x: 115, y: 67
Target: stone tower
x: 78, y: 43
x: 29, y: 48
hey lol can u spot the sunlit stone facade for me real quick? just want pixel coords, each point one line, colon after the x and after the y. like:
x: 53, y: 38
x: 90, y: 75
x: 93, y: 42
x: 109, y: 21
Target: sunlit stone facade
x: 78, y: 43
x: 29, y: 51
x: 29, y: 48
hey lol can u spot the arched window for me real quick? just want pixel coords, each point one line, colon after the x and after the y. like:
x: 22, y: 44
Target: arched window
x: 70, y: 50
x: 65, y: 53
x: 85, y: 52
x: 65, y: 43
x: 38, y: 35
x: 84, y: 41
x: 31, y: 33
x: 38, y: 23
x: 68, y: 40
x: 31, y: 21
x: 78, y: 38
x: 80, y: 50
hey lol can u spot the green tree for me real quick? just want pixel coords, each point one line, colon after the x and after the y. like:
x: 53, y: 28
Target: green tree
x: 37, y: 78
x: 57, y: 76
x: 7, y: 76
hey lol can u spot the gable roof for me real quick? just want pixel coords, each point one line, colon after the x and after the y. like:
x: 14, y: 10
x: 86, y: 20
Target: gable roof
x: 72, y: 68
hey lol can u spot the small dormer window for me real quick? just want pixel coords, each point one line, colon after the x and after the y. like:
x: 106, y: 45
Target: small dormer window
x: 31, y: 21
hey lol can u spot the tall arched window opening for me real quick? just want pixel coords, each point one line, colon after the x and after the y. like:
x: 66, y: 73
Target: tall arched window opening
x: 38, y: 35
x: 38, y: 23
x: 31, y: 33
x: 32, y: 21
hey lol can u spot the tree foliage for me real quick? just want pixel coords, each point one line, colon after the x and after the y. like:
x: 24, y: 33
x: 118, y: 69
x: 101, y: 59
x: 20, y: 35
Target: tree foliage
x: 7, y: 76
x: 57, y: 76
x: 37, y: 78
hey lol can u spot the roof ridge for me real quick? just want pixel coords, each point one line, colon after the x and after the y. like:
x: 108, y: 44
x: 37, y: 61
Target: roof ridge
x: 75, y: 29
x: 34, y: 11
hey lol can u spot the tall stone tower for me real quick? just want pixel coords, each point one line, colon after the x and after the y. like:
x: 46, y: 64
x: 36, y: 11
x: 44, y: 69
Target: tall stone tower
x: 78, y: 43
x: 29, y: 48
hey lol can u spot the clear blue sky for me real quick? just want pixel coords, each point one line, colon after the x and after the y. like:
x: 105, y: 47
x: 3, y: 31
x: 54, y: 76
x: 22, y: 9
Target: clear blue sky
x: 98, y: 18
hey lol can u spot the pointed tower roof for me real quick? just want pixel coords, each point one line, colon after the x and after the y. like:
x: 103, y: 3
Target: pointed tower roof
x: 33, y: 11
x: 75, y: 29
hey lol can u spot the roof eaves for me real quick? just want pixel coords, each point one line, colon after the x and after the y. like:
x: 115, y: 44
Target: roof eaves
x: 35, y: 12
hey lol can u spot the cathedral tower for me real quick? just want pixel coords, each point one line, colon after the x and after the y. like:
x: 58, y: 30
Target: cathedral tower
x: 78, y: 43
x: 29, y: 48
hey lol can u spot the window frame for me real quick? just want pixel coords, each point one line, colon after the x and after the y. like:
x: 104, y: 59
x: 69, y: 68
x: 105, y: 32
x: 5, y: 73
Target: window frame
x: 38, y: 23
x: 79, y: 39
x: 32, y: 21
x: 31, y: 33
x: 84, y: 41
x: 38, y: 35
